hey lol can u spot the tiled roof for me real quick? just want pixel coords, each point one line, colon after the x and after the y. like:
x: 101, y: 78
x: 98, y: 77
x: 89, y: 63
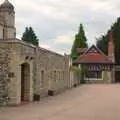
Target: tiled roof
x: 93, y: 55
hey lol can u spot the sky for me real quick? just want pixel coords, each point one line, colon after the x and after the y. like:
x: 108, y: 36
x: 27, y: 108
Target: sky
x: 57, y: 21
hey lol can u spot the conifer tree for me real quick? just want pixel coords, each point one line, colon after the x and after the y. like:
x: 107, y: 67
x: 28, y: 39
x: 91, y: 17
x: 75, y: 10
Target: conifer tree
x: 79, y: 42
x: 30, y: 36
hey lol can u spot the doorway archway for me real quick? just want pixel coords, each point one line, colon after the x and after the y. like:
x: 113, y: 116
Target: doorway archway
x: 25, y: 82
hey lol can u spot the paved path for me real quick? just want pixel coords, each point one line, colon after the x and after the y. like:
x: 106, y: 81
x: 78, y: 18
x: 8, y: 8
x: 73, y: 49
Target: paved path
x: 87, y: 102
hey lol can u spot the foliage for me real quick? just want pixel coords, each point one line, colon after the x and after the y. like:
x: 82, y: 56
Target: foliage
x: 102, y: 42
x: 77, y: 73
x: 79, y: 42
x: 82, y: 80
x: 30, y: 36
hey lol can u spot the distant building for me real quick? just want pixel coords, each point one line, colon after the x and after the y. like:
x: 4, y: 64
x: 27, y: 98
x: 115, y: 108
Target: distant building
x: 98, y: 68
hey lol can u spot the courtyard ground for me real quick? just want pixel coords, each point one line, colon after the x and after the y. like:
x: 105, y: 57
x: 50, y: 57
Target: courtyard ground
x: 87, y: 102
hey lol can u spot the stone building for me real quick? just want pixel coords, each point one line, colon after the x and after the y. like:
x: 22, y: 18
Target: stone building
x: 27, y: 72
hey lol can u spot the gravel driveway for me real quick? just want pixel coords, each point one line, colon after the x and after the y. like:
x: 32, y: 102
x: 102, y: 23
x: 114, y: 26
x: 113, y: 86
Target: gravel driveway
x: 86, y: 102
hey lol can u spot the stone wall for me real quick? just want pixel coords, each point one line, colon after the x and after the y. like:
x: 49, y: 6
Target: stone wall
x: 49, y: 71
x: 52, y: 72
x: 4, y: 76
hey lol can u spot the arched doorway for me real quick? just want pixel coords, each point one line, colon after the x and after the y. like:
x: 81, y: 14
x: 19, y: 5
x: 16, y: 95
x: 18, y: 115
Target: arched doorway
x: 25, y: 82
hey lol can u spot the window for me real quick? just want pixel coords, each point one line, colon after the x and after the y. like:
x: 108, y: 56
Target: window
x: 51, y: 75
x: 42, y: 77
x: 55, y: 76
x: 59, y: 75
x: 63, y: 75
x: 93, y: 74
x: 3, y: 33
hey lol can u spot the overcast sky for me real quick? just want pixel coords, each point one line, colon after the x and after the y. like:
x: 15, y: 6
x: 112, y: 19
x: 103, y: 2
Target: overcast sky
x: 56, y: 21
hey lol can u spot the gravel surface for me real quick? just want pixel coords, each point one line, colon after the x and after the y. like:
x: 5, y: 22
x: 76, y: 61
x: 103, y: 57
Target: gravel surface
x: 86, y: 102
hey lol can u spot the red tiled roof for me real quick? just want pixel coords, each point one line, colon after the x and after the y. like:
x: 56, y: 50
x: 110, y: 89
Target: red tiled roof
x: 93, y: 55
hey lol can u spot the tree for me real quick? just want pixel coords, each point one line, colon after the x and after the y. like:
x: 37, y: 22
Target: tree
x: 102, y: 42
x: 79, y: 42
x: 30, y: 36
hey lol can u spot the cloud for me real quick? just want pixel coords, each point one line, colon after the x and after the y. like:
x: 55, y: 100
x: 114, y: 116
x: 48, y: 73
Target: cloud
x: 56, y: 21
x: 66, y: 39
x: 45, y: 46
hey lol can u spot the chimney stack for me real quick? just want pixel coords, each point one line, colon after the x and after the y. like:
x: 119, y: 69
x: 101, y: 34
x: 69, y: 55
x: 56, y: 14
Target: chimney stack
x: 111, y: 53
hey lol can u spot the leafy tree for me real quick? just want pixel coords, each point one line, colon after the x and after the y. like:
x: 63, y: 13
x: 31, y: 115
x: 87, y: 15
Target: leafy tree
x: 30, y: 36
x: 102, y: 42
x: 79, y: 42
